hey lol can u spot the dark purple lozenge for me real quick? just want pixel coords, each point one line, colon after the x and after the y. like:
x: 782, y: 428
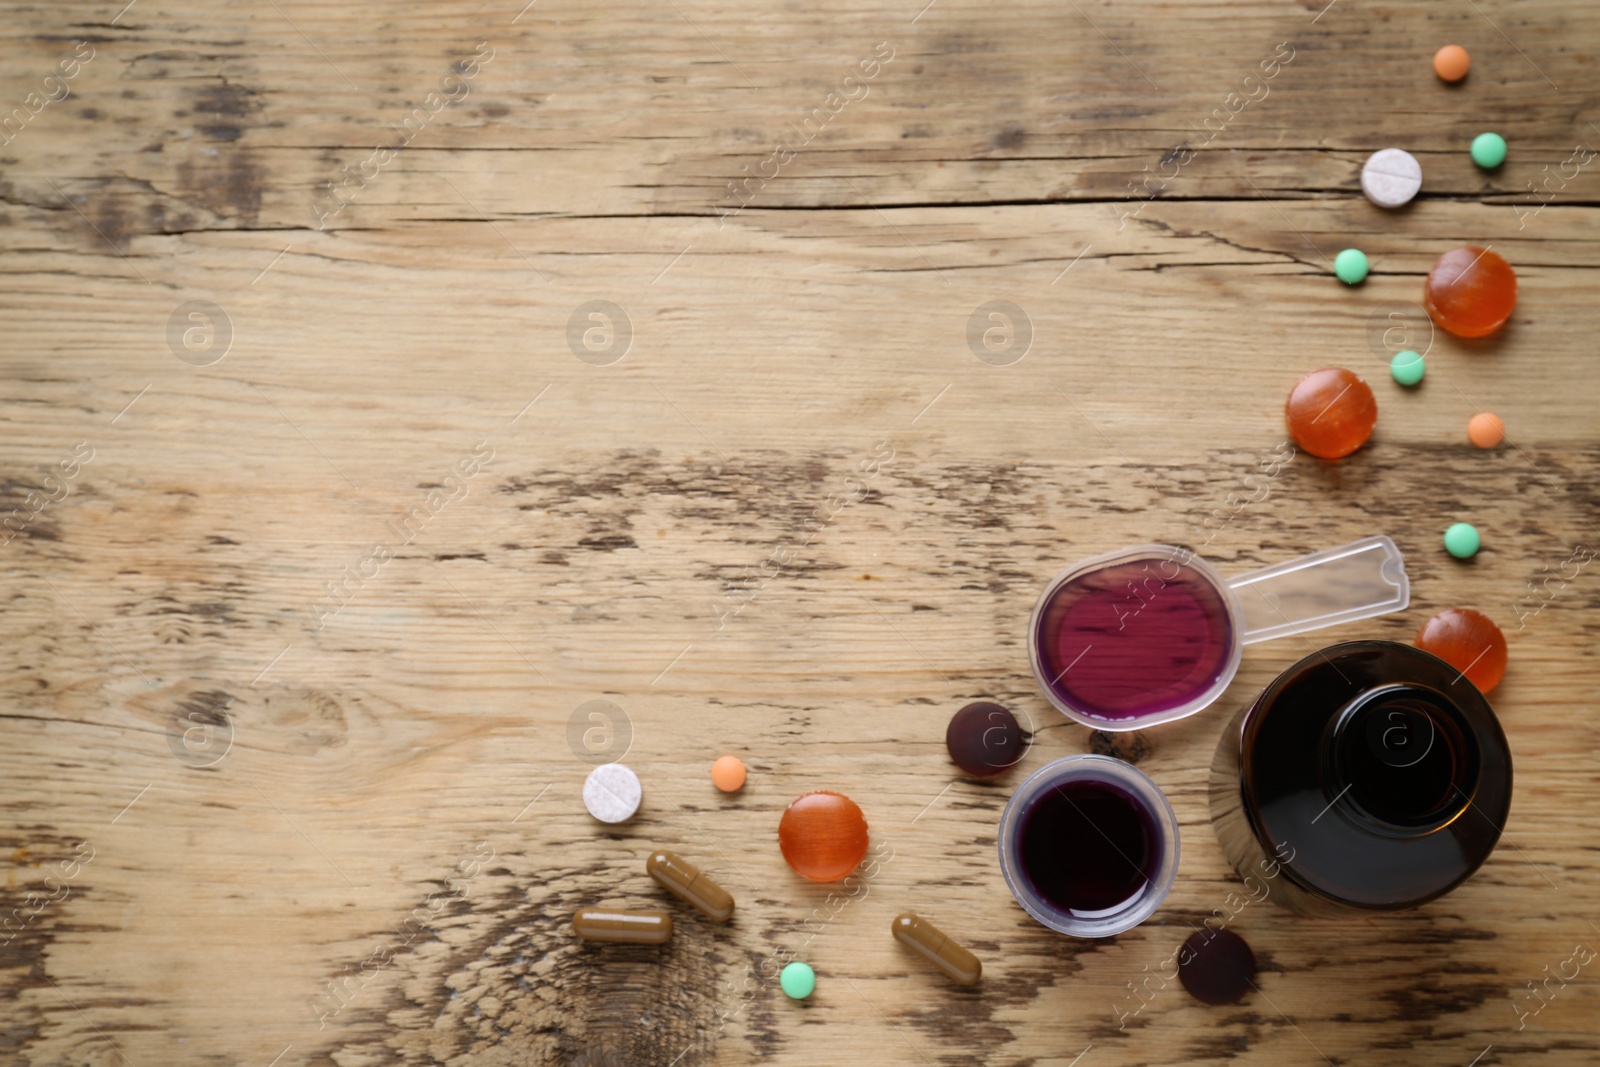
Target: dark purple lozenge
x: 1216, y: 966
x: 1135, y: 639
x: 1087, y: 847
x: 985, y: 739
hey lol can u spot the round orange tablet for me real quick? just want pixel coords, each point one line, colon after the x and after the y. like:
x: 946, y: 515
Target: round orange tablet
x: 1451, y: 63
x: 727, y: 774
x: 1470, y: 642
x: 1470, y: 291
x: 1330, y: 412
x: 823, y: 836
x: 1486, y: 430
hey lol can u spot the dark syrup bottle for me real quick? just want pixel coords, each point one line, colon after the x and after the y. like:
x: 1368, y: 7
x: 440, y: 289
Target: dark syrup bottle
x: 1370, y: 776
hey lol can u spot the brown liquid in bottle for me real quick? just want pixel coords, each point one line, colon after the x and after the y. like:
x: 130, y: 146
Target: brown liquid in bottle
x: 1370, y: 775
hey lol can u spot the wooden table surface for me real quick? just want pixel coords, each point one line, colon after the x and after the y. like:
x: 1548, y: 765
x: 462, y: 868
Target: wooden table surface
x: 385, y: 383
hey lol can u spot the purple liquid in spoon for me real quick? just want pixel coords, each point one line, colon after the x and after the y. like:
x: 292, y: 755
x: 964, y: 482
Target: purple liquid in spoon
x: 1127, y: 641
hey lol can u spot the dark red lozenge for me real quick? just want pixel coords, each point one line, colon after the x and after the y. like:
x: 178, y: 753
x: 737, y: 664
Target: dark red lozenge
x: 1216, y: 966
x: 985, y: 739
x: 1135, y: 639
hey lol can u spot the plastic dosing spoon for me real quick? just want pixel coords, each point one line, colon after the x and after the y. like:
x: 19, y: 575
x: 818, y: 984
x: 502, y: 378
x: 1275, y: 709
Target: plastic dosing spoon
x: 1153, y: 633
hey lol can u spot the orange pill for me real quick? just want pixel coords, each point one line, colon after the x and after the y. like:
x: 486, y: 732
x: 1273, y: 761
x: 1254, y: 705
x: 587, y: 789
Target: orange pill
x: 1470, y: 642
x: 1451, y: 63
x: 727, y: 774
x: 1331, y: 412
x: 823, y: 836
x: 1470, y: 291
x: 1486, y: 430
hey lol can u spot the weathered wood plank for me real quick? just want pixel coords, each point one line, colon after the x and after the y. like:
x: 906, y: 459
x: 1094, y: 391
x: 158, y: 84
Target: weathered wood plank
x: 344, y: 826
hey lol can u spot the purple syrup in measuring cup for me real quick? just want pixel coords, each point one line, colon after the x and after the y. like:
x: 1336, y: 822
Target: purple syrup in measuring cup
x: 1134, y: 639
x: 1087, y: 847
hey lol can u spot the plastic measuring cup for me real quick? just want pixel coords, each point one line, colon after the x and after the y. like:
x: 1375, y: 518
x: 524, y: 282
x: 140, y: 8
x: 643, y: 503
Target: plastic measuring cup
x: 1089, y: 845
x: 1153, y: 633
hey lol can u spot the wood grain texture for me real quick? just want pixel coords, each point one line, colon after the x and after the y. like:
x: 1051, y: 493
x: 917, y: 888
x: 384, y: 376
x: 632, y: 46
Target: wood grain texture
x: 293, y: 657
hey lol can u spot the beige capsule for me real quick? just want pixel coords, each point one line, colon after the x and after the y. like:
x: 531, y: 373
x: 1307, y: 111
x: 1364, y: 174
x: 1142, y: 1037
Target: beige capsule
x: 942, y: 952
x: 684, y: 880
x: 626, y: 927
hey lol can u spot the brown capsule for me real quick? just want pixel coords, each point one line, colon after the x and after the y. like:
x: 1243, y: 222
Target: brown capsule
x: 683, y: 880
x: 942, y: 952
x: 630, y: 927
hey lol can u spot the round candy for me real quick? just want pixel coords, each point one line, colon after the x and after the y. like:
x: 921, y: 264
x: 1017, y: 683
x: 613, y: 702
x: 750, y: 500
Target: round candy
x: 1488, y: 150
x: 1216, y: 966
x: 984, y: 739
x: 1471, y: 291
x: 1331, y: 412
x: 798, y: 980
x: 823, y: 836
x: 727, y: 774
x: 1486, y: 430
x: 1391, y: 177
x: 1461, y: 540
x: 1470, y: 642
x: 1350, y: 265
x: 1451, y: 63
x: 1407, y: 367
x: 612, y: 793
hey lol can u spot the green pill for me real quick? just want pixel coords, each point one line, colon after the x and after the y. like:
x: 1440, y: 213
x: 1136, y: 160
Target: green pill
x: 799, y: 981
x: 1461, y: 540
x: 1488, y: 150
x: 1407, y: 367
x: 1350, y: 265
